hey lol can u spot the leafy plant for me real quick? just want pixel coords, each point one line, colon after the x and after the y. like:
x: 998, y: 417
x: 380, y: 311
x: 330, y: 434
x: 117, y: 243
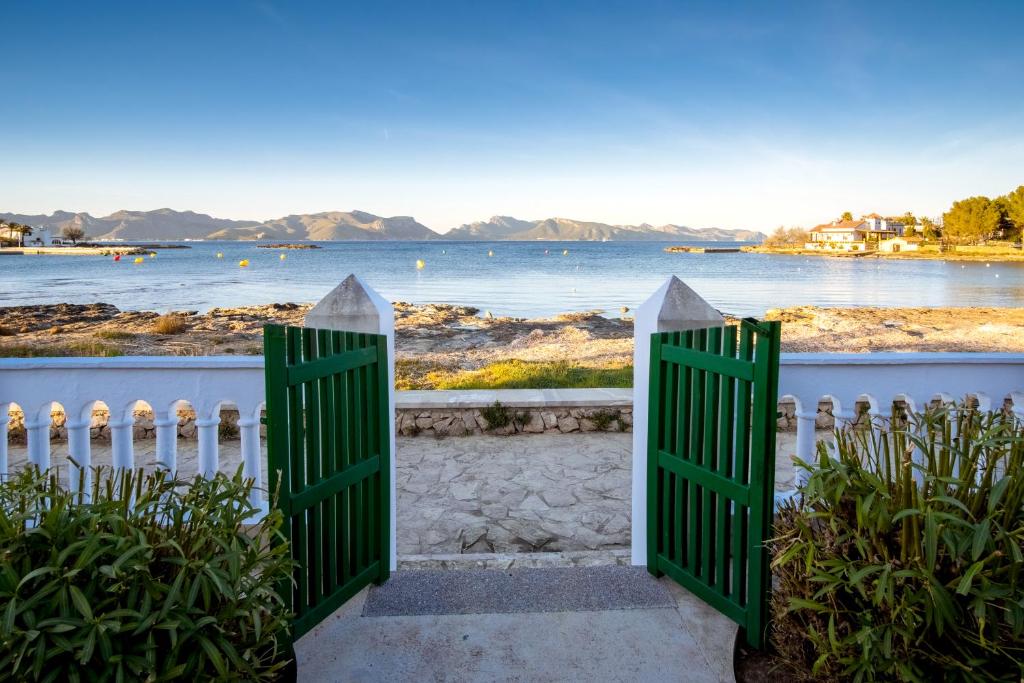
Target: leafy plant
x: 143, y: 577
x: 902, y: 558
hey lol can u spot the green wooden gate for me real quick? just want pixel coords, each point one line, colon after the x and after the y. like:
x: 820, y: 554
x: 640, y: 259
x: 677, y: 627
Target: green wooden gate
x: 328, y: 443
x: 711, y: 465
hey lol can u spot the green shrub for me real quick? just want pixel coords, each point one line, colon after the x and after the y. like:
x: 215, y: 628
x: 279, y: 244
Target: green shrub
x: 901, y: 559
x: 603, y: 419
x: 497, y: 415
x: 171, y: 586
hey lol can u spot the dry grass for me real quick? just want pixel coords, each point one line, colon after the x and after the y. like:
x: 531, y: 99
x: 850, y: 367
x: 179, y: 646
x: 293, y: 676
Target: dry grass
x: 71, y: 349
x: 115, y: 334
x: 170, y: 323
x: 7, y: 331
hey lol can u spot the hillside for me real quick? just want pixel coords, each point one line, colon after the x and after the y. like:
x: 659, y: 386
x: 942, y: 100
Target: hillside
x: 333, y: 225
x: 168, y: 224
x: 507, y: 228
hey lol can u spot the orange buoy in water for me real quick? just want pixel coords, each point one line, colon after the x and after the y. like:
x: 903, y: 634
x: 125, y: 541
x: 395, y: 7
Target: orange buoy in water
x: 244, y: 263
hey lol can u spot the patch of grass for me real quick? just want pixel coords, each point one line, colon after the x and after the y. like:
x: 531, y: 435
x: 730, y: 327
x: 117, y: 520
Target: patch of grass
x: 517, y: 374
x: 71, y: 349
x: 114, y: 334
x: 170, y: 324
x: 411, y: 373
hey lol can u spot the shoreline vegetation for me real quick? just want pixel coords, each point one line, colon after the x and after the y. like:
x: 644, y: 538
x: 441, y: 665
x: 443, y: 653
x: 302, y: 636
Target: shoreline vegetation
x: 1001, y: 253
x: 440, y: 346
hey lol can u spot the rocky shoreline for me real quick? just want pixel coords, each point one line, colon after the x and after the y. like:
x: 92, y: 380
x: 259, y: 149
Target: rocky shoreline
x: 432, y: 336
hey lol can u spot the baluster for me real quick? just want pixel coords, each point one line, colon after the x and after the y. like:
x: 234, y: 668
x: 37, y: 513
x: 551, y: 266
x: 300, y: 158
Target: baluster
x: 5, y: 419
x: 843, y: 421
x: 1018, y: 406
x: 121, y: 447
x: 166, y: 441
x: 806, y: 443
x: 79, y: 450
x: 37, y: 428
x: 207, y: 429
x: 249, y: 430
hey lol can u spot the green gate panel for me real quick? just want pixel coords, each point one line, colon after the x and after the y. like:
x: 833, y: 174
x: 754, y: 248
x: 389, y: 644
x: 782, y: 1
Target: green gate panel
x: 711, y: 465
x: 329, y: 462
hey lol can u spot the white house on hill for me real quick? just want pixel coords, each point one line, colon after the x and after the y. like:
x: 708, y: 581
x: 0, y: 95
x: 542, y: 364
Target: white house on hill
x: 854, y: 235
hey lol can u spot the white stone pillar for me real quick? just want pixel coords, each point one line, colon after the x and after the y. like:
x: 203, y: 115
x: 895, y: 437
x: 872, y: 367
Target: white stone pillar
x: 806, y: 441
x: 1018, y: 405
x: 673, y: 307
x: 37, y: 429
x: 5, y: 419
x: 208, y: 456
x: 79, y: 451
x: 166, y: 441
x: 353, y: 306
x: 249, y: 431
x: 843, y: 421
x: 122, y: 451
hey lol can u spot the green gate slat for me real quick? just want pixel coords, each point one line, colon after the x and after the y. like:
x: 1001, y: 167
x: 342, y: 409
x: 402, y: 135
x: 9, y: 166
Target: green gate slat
x: 296, y: 462
x: 711, y: 455
x: 328, y: 440
x: 726, y: 425
x: 311, y: 414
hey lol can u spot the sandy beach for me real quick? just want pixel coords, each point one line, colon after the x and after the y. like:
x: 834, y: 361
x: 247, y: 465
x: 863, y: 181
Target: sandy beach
x: 435, y: 337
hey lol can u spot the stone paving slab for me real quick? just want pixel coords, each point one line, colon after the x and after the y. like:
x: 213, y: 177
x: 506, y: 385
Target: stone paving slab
x: 489, y: 591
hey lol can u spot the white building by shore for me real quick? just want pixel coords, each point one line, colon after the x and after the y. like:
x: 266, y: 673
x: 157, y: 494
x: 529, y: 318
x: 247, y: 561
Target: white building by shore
x: 860, y: 234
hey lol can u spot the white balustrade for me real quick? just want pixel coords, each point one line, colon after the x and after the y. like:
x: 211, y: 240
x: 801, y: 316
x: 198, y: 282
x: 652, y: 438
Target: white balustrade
x: 879, y: 379
x: 78, y: 385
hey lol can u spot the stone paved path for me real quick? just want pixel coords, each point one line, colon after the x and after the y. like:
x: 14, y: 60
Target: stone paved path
x: 486, y: 494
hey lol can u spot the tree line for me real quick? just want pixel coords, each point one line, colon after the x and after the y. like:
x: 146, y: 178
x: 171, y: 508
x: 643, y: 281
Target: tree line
x: 968, y: 221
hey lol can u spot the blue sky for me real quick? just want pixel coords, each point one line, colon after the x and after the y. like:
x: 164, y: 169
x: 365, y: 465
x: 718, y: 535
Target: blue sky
x: 722, y: 114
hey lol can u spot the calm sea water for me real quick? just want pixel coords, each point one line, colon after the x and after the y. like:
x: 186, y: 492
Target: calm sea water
x: 521, y: 278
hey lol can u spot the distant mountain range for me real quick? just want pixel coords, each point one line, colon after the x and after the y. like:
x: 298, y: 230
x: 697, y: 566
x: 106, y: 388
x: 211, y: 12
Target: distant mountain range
x: 168, y: 224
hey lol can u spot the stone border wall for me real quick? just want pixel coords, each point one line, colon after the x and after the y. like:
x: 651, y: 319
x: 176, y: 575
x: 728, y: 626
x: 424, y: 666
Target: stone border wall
x: 440, y: 422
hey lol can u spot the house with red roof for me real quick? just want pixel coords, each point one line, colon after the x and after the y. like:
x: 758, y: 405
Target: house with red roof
x: 861, y: 234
